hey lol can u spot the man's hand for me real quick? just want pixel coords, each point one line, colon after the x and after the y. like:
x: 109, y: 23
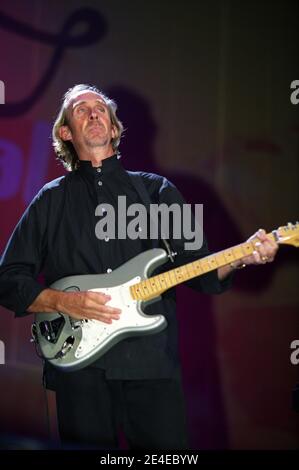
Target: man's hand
x: 265, y: 252
x: 266, y: 249
x: 79, y: 305
x: 88, y: 305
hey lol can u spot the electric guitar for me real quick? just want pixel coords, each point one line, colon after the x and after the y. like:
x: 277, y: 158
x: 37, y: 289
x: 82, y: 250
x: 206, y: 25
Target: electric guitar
x: 71, y: 344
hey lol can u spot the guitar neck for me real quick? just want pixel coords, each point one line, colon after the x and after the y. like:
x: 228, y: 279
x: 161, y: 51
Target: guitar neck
x: 156, y: 285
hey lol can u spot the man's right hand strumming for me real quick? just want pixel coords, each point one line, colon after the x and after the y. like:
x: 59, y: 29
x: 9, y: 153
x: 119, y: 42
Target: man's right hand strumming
x: 79, y: 305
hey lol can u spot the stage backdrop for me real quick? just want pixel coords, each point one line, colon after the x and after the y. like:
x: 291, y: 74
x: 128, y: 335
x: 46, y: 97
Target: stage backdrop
x: 204, y: 91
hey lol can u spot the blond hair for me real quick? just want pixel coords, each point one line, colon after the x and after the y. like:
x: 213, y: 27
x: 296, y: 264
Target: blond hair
x: 64, y: 149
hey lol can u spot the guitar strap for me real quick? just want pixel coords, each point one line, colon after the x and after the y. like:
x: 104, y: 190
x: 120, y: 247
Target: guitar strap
x: 138, y: 183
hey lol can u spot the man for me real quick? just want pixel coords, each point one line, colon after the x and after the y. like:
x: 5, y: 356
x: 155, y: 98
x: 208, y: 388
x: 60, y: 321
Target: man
x: 136, y: 384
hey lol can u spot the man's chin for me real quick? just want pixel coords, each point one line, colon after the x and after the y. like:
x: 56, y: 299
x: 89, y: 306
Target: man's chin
x: 96, y: 142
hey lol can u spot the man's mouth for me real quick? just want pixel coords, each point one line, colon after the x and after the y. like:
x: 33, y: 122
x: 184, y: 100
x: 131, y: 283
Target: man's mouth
x: 97, y: 127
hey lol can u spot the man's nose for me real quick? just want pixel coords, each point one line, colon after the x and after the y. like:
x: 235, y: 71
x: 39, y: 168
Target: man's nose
x: 93, y: 115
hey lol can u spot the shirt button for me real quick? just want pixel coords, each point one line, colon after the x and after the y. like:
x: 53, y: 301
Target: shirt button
x: 99, y: 170
x: 109, y: 270
x: 106, y: 239
x: 100, y: 183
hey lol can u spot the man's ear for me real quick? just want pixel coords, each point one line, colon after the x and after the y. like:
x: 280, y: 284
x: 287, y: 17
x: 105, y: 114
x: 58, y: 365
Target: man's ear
x: 65, y: 133
x: 113, y: 132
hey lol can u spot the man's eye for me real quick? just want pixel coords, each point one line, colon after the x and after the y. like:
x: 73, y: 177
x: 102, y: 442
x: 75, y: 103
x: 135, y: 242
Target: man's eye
x: 81, y: 110
x: 100, y: 108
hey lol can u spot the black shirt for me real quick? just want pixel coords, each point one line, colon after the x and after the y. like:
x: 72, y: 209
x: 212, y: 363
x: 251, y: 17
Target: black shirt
x: 56, y: 236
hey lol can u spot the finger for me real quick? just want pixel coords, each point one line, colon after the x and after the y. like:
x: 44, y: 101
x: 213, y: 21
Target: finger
x: 94, y: 301
x: 260, y: 248
x: 101, y: 313
x: 103, y: 316
x: 262, y: 252
x: 257, y: 257
x: 271, y: 249
x: 109, y: 310
x: 268, y: 250
x: 96, y: 311
x: 270, y: 244
x: 99, y: 296
x: 261, y: 234
x: 247, y: 259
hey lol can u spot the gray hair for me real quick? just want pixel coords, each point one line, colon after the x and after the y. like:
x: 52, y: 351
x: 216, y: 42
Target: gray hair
x: 64, y: 149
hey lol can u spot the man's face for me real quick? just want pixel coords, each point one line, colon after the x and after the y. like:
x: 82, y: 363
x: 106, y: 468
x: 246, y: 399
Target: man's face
x: 89, y: 125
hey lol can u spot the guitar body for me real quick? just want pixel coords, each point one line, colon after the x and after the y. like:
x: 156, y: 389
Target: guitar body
x: 71, y: 344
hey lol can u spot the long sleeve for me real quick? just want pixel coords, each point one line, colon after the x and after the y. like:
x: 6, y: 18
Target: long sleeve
x: 23, y: 258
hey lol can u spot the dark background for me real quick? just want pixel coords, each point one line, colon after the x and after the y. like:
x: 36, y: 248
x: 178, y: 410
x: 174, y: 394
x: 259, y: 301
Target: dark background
x: 203, y: 89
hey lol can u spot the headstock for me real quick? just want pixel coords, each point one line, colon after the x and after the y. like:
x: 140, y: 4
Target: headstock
x: 288, y: 234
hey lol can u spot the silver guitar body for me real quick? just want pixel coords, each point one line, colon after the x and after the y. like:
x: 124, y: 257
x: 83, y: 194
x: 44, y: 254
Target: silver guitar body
x: 71, y: 344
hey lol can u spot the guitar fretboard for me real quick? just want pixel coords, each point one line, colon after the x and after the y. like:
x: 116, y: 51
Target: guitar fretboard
x: 156, y: 285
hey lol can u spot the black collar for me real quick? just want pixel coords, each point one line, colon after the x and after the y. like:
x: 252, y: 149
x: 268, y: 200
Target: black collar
x: 108, y: 165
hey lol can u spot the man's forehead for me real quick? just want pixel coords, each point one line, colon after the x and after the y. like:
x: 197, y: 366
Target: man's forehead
x: 85, y: 96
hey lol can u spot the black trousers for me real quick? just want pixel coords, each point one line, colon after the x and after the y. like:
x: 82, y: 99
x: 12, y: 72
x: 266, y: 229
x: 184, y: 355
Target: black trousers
x: 92, y: 409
